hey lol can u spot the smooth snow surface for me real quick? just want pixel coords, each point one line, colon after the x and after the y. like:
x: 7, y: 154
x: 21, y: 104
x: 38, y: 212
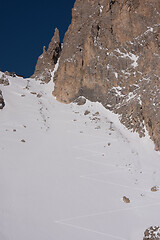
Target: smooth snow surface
x: 67, y: 179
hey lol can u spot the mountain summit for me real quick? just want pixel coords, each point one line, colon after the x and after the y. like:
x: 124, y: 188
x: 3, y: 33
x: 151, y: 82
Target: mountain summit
x: 111, y: 54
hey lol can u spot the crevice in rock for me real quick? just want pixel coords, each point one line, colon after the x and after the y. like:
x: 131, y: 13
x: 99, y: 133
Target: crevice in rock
x: 98, y: 27
x: 111, y: 4
x: 98, y: 30
x: 57, y: 53
x: 111, y: 29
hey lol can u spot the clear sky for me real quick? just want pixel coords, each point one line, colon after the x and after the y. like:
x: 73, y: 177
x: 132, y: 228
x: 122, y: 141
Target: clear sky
x: 25, y: 27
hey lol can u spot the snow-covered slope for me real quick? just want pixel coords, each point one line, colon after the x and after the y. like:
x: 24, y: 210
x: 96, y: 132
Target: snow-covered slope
x: 63, y: 173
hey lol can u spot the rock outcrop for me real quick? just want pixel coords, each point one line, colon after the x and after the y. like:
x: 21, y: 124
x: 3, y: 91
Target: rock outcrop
x: 111, y: 54
x: 152, y: 233
x: 2, y: 104
x: 46, y: 62
x: 4, y: 80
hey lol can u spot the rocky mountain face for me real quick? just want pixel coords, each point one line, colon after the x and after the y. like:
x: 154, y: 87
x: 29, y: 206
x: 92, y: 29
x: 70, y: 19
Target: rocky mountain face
x: 46, y: 62
x: 111, y: 54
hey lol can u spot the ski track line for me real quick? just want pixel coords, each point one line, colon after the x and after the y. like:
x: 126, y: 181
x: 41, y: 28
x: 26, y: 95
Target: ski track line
x: 95, y: 153
x: 92, y: 231
x: 88, y: 135
x: 101, y: 173
x: 107, y: 212
x: 112, y: 183
x: 99, y: 163
x: 91, y: 177
x: 90, y: 144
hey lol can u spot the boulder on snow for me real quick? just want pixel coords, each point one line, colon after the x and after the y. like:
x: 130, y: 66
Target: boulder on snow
x: 4, y: 80
x: 155, y: 189
x: 80, y: 101
x: 2, y: 104
x: 152, y: 233
x: 126, y: 200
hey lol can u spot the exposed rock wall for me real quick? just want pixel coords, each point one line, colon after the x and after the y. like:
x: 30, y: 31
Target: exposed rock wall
x: 111, y: 54
x: 46, y: 62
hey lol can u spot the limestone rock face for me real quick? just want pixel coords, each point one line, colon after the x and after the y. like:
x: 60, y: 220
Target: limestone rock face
x: 111, y: 54
x: 46, y: 62
x: 2, y: 104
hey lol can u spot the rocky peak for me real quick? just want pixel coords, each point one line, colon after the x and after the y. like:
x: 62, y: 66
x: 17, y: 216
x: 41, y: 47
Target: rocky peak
x: 46, y: 62
x: 111, y: 54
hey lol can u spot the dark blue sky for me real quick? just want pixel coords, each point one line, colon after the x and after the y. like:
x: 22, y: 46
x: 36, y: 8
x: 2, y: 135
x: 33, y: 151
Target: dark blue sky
x: 25, y: 27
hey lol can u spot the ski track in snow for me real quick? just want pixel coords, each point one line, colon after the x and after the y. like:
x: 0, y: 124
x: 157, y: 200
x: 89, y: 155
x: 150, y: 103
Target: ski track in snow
x: 90, y: 230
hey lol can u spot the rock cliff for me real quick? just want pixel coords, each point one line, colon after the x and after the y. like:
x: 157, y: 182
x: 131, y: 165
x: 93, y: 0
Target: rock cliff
x: 111, y: 54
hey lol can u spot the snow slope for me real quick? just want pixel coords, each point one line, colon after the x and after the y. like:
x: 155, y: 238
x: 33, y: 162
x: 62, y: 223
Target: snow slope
x: 63, y: 174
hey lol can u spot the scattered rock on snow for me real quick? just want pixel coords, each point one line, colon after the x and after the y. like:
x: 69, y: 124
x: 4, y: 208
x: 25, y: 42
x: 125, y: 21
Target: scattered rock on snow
x: 34, y: 93
x: 126, y: 200
x: 39, y: 95
x: 12, y: 74
x: 155, y: 189
x: 80, y: 101
x: 86, y: 112
x: 152, y: 233
x: 96, y: 114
